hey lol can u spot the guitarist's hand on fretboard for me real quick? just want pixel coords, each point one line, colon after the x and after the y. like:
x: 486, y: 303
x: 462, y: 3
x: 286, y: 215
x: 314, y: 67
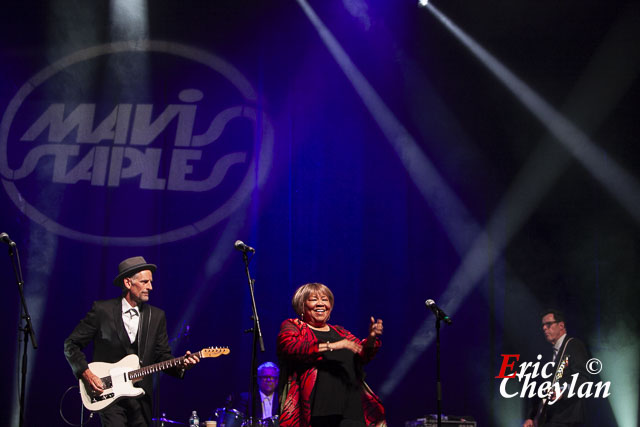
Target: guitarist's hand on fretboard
x: 93, y: 381
x: 190, y: 360
x: 556, y: 394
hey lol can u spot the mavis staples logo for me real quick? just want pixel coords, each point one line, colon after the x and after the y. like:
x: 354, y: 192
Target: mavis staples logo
x: 184, y: 147
x: 557, y: 385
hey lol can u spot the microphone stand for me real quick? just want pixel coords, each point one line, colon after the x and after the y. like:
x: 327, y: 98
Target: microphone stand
x: 440, y: 315
x: 257, y: 339
x: 438, y: 384
x: 28, y: 327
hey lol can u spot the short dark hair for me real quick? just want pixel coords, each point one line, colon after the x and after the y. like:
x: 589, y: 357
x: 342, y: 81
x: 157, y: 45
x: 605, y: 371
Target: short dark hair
x: 558, y: 315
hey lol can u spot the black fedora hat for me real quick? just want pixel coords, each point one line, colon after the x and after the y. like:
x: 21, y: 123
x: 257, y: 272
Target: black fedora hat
x: 131, y: 266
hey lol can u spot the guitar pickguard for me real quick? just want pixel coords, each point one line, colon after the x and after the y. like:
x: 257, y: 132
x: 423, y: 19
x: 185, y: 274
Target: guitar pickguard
x: 115, y: 380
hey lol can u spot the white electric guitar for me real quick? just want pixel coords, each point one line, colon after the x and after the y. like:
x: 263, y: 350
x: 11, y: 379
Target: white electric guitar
x: 118, y: 378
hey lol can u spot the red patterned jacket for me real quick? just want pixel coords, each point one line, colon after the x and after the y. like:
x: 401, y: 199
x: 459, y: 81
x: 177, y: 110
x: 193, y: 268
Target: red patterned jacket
x: 298, y: 352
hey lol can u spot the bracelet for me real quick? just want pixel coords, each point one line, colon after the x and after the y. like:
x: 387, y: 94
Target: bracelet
x: 329, y: 346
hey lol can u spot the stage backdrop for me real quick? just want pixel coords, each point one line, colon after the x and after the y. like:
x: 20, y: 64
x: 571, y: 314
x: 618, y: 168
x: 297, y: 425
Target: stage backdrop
x: 367, y: 145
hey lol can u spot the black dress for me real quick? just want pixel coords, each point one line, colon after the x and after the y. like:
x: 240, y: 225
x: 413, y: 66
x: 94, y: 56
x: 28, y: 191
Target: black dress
x: 337, y: 393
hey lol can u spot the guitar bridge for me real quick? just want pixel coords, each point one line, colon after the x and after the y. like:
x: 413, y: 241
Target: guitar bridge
x: 102, y: 397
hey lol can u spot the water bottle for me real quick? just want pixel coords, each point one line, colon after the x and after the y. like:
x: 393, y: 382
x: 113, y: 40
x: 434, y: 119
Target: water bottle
x: 194, y: 420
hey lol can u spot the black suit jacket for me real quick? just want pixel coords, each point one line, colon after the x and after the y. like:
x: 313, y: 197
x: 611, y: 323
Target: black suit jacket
x: 243, y: 402
x: 104, y: 327
x: 569, y: 410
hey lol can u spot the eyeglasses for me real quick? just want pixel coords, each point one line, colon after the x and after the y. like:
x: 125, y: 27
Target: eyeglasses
x: 267, y: 377
x: 548, y: 324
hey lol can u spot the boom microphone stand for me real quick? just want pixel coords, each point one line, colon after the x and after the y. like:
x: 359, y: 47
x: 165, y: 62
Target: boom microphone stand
x: 257, y: 330
x: 24, y: 314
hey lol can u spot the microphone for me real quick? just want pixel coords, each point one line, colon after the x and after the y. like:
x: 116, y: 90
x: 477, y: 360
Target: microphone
x: 440, y: 315
x: 5, y: 238
x: 239, y: 245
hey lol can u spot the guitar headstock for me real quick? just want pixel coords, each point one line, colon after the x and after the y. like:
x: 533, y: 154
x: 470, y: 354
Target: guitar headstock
x: 214, y: 351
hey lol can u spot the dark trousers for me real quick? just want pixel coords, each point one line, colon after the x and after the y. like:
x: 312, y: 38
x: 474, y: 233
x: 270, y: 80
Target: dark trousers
x: 125, y: 412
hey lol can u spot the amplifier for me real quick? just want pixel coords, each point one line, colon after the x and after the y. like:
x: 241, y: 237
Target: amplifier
x: 433, y: 422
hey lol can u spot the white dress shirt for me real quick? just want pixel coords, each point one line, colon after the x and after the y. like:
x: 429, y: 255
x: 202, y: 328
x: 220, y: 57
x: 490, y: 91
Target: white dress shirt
x: 557, y: 346
x: 131, y: 319
x: 267, y: 405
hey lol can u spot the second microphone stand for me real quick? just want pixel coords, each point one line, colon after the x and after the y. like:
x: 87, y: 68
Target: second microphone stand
x: 440, y: 316
x: 438, y: 383
x: 257, y: 339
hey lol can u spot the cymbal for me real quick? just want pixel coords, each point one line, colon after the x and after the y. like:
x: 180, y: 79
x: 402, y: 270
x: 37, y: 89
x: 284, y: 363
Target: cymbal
x: 166, y: 420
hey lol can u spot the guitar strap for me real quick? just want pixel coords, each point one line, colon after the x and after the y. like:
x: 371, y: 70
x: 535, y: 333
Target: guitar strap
x: 146, y: 338
x: 142, y: 343
x: 540, y: 416
x: 559, y: 360
x: 564, y: 348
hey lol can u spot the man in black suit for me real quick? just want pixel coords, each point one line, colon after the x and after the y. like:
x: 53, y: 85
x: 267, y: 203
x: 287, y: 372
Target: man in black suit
x: 565, y: 411
x: 119, y: 327
x: 267, y: 402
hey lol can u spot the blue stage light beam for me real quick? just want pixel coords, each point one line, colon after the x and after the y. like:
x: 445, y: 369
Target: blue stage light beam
x: 130, y: 19
x: 622, y: 185
x: 456, y: 219
x: 620, y: 367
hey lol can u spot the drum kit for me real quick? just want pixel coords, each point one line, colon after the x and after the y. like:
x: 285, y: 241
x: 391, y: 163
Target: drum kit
x: 226, y: 418
x: 163, y: 421
x: 235, y: 418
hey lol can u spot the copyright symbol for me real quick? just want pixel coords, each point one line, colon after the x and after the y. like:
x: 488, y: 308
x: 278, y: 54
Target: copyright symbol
x: 594, y: 366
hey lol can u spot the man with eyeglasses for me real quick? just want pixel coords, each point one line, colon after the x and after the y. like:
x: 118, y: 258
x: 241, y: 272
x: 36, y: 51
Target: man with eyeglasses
x: 565, y: 411
x: 267, y: 406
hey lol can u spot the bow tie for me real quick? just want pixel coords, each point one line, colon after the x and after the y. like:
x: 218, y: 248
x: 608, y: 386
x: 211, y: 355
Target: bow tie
x: 132, y: 312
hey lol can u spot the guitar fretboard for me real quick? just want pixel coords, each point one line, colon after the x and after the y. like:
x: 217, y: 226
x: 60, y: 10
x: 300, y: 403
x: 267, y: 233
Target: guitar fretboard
x: 157, y: 367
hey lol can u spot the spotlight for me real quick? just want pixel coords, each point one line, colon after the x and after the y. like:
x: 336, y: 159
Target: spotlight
x: 423, y: 3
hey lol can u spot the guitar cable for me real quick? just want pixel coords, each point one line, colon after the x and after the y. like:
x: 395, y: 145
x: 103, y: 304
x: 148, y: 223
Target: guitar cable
x: 82, y: 423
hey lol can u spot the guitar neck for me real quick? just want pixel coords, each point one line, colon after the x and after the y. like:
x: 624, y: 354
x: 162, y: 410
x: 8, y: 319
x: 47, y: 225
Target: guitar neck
x: 138, y: 374
x: 539, y: 418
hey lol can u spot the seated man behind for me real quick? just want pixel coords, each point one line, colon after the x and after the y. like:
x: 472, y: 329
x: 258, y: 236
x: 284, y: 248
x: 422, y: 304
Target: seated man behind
x: 267, y: 405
